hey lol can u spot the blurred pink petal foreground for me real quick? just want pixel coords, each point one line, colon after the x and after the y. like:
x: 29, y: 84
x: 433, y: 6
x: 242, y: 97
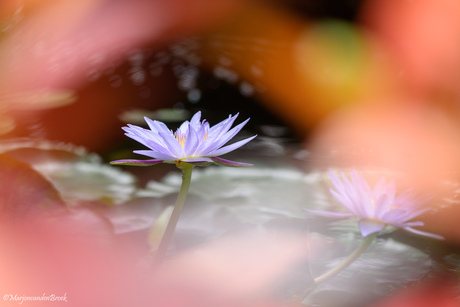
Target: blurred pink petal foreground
x: 194, y: 142
x: 377, y: 208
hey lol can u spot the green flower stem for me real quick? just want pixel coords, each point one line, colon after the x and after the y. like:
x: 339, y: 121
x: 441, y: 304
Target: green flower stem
x: 344, y: 264
x: 349, y: 260
x: 167, y: 236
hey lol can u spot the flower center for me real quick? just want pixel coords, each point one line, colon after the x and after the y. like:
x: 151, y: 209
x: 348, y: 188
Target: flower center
x: 389, y: 207
x: 205, y: 135
x: 180, y: 138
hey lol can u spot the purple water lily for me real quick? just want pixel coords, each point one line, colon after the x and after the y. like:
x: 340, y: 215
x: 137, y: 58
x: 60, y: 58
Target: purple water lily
x: 379, y: 207
x: 194, y: 142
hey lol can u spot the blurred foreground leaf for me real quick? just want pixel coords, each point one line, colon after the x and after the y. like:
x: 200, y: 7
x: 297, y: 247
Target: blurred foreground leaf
x: 37, y: 100
x: 27, y: 198
x: 236, y: 270
x: 23, y: 191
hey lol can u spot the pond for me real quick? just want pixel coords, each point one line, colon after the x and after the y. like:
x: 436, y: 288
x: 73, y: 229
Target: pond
x: 252, y: 218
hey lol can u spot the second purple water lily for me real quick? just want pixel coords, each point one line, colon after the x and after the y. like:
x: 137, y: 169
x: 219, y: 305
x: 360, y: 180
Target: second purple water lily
x: 378, y: 207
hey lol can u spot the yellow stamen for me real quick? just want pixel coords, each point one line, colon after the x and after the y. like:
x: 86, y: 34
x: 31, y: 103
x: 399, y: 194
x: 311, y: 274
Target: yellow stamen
x: 181, y: 139
x: 389, y: 208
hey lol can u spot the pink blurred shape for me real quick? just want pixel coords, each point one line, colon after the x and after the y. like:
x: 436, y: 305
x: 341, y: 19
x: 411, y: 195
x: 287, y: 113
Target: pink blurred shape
x: 423, y: 36
x: 59, y: 42
x: 236, y: 270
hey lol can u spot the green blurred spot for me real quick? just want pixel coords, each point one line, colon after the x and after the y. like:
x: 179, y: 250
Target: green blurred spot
x: 136, y: 116
x: 159, y: 227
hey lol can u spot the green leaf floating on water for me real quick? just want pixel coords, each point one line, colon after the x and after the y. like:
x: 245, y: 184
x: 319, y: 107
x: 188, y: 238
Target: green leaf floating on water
x: 255, y: 195
x: 78, y: 177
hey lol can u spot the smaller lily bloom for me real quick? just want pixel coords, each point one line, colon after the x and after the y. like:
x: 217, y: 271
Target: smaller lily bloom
x: 379, y: 207
x: 194, y: 142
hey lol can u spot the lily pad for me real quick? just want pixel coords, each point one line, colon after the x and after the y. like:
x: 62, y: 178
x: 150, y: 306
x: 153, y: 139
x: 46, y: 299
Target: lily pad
x: 80, y: 178
x: 255, y: 195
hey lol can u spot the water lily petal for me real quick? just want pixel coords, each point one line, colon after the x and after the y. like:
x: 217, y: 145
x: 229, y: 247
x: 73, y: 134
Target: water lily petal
x: 184, y: 127
x: 197, y: 159
x: 156, y: 126
x: 394, y: 216
x: 214, y: 140
x: 133, y: 162
x: 215, y: 136
x: 217, y: 130
x: 416, y: 212
x: 330, y: 213
x: 173, y: 145
x: 391, y: 190
x: 191, y: 142
x: 366, y: 201
x: 155, y: 154
x: 158, y: 147
x: 423, y: 233
x: 337, y: 183
x: 368, y: 227
x: 223, y: 162
x: 224, y: 138
x: 202, y: 161
x: 361, y: 183
x: 231, y: 147
x: 139, y: 134
x: 151, y: 141
x: 344, y: 200
x: 203, y: 132
x: 411, y: 224
x: 355, y: 196
x: 195, y: 121
x: 380, y: 187
x: 382, y: 206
